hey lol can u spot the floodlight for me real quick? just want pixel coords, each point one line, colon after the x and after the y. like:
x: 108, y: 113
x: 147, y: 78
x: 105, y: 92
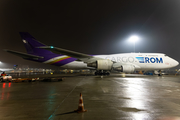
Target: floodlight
x: 134, y: 38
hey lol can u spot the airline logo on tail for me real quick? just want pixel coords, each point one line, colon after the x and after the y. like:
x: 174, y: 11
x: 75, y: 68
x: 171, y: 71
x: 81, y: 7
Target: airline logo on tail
x: 149, y: 60
x: 24, y: 41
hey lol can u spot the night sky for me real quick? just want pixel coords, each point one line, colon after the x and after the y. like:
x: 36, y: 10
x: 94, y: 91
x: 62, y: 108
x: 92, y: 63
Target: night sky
x: 90, y: 26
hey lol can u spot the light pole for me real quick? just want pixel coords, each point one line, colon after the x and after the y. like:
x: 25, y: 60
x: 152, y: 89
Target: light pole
x: 134, y: 39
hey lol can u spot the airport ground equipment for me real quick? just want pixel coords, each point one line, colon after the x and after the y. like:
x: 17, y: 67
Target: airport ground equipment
x: 81, y: 105
x: 6, y: 78
x: 48, y: 79
x: 177, y: 72
x: 24, y: 79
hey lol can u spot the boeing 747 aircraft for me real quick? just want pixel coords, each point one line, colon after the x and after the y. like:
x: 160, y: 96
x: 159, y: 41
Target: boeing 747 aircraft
x: 103, y: 64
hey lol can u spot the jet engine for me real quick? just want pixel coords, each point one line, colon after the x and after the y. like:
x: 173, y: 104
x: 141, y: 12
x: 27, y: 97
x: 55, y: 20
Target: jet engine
x: 101, y: 64
x: 126, y: 68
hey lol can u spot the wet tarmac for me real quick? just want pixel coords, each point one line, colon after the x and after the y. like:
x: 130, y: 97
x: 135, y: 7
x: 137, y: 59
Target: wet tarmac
x: 115, y: 97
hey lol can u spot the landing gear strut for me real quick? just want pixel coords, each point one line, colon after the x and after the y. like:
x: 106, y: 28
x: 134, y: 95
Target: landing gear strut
x: 160, y: 73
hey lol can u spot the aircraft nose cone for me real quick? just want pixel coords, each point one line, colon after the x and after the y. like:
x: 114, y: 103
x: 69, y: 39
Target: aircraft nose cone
x: 175, y: 63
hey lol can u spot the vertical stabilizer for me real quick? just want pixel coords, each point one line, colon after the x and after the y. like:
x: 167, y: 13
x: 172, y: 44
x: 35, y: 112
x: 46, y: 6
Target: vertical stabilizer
x: 31, y: 45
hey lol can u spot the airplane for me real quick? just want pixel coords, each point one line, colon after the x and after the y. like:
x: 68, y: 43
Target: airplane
x: 103, y: 64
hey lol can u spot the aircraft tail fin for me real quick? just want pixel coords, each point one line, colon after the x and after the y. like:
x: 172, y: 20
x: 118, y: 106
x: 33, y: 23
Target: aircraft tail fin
x: 31, y: 45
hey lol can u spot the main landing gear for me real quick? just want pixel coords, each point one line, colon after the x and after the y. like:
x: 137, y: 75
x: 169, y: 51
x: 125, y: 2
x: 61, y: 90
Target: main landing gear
x: 101, y: 72
x: 160, y: 73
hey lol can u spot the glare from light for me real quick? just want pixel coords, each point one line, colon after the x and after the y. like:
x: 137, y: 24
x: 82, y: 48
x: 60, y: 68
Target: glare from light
x: 134, y: 38
x: 0, y: 62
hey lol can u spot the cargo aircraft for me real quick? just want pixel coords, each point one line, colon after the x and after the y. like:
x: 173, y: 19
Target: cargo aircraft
x: 103, y: 64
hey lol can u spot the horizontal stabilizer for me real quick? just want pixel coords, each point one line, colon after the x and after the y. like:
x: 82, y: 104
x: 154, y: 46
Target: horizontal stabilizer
x: 23, y: 55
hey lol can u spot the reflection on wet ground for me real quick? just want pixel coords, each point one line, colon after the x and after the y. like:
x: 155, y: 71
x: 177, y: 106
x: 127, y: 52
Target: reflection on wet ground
x: 111, y: 97
x: 5, y: 94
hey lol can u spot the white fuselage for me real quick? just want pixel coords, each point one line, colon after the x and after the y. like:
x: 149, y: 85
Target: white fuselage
x: 141, y: 61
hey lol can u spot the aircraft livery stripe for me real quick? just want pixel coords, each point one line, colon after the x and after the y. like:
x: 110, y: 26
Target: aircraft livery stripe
x: 57, y: 60
x: 54, y: 58
x: 64, y: 62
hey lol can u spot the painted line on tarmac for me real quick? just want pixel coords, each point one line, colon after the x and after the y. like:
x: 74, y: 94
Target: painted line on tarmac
x: 64, y: 99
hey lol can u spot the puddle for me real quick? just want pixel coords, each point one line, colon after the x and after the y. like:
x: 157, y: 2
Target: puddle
x: 125, y: 109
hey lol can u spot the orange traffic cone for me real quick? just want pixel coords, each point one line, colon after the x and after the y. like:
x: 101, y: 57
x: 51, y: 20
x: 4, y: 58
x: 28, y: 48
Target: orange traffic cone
x: 81, y: 105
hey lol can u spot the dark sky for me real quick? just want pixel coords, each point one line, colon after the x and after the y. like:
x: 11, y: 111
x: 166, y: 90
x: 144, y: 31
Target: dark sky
x: 91, y: 26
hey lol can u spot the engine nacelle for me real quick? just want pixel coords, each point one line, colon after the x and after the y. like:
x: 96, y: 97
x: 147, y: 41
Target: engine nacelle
x: 104, y: 64
x: 126, y: 68
x: 101, y: 64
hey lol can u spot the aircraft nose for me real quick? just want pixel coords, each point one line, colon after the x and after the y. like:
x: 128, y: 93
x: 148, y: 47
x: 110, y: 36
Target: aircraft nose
x: 175, y: 63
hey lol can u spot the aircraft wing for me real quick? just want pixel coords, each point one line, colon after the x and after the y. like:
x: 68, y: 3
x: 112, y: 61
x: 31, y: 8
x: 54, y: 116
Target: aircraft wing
x: 80, y: 56
x: 23, y: 55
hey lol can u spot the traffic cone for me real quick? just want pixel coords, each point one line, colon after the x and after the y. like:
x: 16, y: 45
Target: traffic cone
x: 81, y: 105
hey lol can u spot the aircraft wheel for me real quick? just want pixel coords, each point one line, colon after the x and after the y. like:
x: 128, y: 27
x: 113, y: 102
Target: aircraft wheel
x: 105, y: 73
x: 95, y: 73
x: 159, y: 74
